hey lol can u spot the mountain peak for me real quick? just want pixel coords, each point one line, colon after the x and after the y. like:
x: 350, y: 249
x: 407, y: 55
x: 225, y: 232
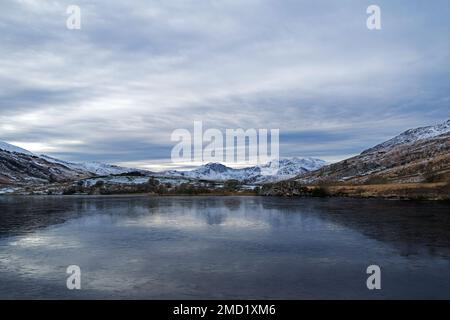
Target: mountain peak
x: 216, y: 166
x: 271, y: 171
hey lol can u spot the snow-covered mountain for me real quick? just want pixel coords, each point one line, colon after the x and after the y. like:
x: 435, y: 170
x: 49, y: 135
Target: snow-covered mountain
x: 21, y: 167
x: 411, y: 136
x: 291, y: 167
x: 216, y: 171
x: 96, y: 168
x: 11, y: 148
x: 287, y: 168
x: 414, y: 156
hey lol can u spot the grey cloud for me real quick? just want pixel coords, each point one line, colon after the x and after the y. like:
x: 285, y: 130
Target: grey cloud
x: 138, y: 70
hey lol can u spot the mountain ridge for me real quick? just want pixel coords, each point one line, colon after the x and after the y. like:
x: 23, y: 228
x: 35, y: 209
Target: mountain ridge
x: 287, y: 168
x: 19, y: 166
x: 12, y: 148
x: 412, y: 135
x: 94, y: 167
x: 414, y: 156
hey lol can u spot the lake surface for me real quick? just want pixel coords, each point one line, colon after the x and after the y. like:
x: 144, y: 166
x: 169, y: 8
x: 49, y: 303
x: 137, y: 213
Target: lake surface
x: 223, y: 247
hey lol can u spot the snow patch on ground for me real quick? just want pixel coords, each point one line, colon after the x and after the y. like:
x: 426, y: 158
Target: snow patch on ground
x: 115, y: 180
x: 7, y: 190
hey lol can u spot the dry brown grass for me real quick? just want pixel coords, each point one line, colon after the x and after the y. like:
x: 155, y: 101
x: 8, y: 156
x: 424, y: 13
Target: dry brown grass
x: 418, y: 191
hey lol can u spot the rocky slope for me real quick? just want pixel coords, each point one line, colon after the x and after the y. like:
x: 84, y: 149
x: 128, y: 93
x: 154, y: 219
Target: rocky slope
x: 415, y: 156
x: 412, y: 136
x: 11, y: 148
x: 19, y: 167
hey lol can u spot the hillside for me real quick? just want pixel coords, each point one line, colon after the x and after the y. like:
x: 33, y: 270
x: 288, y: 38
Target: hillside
x: 416, y: 156
x: 93, y: 167
x: 21, y: 168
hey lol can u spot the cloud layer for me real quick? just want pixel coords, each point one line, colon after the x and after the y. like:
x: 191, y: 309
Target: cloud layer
x: 116, y: 89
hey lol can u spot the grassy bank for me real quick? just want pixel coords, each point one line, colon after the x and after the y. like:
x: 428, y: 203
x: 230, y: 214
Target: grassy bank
x: 413, y: 191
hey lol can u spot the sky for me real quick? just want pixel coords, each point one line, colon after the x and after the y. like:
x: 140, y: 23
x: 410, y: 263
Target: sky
x: 115, y: 90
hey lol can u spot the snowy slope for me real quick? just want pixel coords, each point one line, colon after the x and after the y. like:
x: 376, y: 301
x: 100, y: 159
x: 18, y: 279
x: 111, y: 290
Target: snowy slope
x: 96, y: 168
x: 18, y: 168
x: 295, y: 166
x: 415, y: 156
x: 287, y: 168
x: 11, y: 148
x: 412, y: 135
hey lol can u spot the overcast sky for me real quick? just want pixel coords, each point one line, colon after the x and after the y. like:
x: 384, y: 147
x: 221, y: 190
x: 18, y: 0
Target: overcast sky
x: 137, y: 70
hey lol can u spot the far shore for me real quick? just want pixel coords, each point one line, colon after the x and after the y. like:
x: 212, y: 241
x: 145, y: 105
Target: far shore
x: 438, y: 191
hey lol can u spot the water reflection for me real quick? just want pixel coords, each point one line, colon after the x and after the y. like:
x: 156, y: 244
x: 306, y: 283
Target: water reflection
x: 222, y: 247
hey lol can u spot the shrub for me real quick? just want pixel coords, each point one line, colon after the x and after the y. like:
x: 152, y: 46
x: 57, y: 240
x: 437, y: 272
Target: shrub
x: 231, y: 185
x: 70, y: 190
x: 153, y: 182
x: 99, y: 183
x: 319, y: 192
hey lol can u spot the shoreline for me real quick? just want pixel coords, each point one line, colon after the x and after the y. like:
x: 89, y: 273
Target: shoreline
x: 437, y: 191
x: 337, y: 194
